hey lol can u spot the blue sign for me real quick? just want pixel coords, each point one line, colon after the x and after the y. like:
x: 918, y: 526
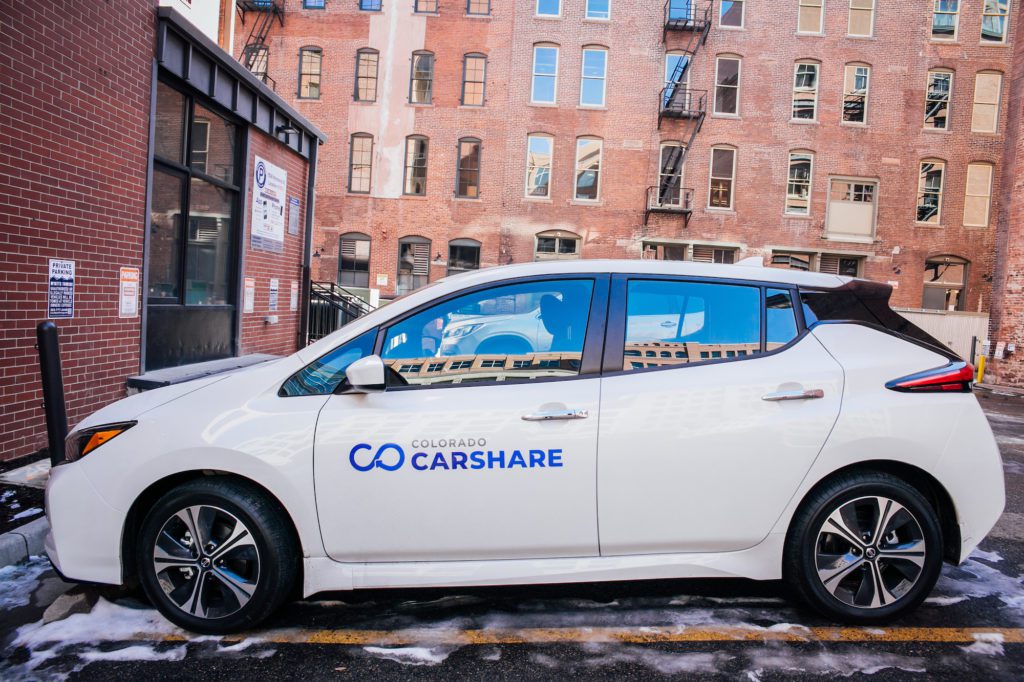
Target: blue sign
x: 391, y: 457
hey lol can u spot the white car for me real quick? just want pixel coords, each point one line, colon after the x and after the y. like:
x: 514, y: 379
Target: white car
x: 681, y: 420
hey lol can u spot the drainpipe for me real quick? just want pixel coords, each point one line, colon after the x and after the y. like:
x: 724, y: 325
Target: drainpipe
x: 307, y: 246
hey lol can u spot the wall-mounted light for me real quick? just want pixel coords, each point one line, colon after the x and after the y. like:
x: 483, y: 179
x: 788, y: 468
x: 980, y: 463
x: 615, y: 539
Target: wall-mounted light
x: 287, y: 130
x: 316, y: 254
x: 437, y: 258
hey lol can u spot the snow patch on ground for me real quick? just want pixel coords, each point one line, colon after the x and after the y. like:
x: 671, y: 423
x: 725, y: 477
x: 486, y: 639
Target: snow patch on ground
x: 843, y: 664
x: 134, y: 652
x: 411, y: 655
x: 18, y: 582
x: 987, y: 644
x: 666, y: 663
x: 976, y: 580
x: 28, y: 512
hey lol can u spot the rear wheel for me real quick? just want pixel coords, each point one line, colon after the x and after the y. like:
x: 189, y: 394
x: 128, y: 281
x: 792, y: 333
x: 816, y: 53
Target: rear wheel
x: 215, y: 556
x: 865, y: 548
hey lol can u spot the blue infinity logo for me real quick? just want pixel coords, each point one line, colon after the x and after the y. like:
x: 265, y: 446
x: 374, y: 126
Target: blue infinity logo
x: 379, y: 460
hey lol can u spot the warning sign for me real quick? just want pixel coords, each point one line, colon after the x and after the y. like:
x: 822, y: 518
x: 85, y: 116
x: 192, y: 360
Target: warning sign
x: 129, y: 293
x: 61, y: 299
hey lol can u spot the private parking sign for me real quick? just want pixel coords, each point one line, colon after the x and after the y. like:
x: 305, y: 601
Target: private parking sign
x: 61, y: 299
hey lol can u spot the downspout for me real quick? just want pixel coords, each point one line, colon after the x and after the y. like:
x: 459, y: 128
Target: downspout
x: 307, y: 246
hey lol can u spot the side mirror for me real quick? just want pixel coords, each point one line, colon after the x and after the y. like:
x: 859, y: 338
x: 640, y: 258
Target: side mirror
x: 366, y: 375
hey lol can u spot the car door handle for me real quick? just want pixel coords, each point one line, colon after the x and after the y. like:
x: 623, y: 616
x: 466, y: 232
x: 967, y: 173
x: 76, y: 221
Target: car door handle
x: 668, y: 323
x: 558, y: 415
x: 781, y: 396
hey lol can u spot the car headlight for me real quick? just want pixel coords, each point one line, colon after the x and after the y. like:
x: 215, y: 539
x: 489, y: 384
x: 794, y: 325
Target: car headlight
x: 464, y: 330
x: 80, y: 443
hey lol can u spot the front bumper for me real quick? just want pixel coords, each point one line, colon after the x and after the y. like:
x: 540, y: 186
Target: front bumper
x: 84, y: 542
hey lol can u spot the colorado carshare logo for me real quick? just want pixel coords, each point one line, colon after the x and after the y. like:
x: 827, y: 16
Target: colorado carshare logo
x: 391, y: 457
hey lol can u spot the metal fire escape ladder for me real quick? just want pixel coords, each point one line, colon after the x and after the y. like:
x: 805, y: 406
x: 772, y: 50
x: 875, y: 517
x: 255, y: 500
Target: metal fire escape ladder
x: 266, y: 13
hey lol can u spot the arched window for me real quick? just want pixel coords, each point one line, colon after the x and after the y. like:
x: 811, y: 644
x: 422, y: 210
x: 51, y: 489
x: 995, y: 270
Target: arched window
x: 930, y: 185
x: 413, y: 263
x: 416, y: 147
x: 856, y: 88
x: 945, y: 283
x: 467, y: 183
x: 728, y: 68
x: 670, y: 174
x: 805, y: 90
x: 310, y: 63
x: 354, y: 260
x: 988, y: 90
x: 557, y: 245
x: 723, y: 177
x: 798, y: 189
x: 937, y: 97
x: 539, y: 151
x: 463, y: 255
x: 592, y: 80
x: 588, y: 168
x: 474, y: 79
x: 421, y: 80
x: 367, y: 64
x: 360, y: 163
x: 544, y: 86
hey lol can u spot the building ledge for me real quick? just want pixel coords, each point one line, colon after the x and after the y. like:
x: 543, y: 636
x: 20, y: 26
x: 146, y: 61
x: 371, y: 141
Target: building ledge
x: 176, y: 375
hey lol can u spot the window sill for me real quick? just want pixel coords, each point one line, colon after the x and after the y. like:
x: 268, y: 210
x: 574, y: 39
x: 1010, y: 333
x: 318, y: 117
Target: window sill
x: 538, y: 200
x: 308, y: 99
x: 796, y: 216
x: 853, y: 37
x: 986, y: 133
x: 548, y: 17
x: 804, y: 121
x: 976, y: 228
x: 471, y: 200
x: 415, y: 197
x: 420, y: 105
x: 849, y: 239
x: 930, y: 226
x: 720, y: 211
x: 939, y: 41
x: 586, y: 202
x: 851, y: 124
x: 543, y: 105
x: 937, y: 131
x: 425, y: 14
x: 365, y: 102
x: 809, y: 35
x: 592, y: 20
x: 472, y: 106
x: 987, y: 44
x: 350, y: 193
x: 731, y: 117
x: 488, y: 17
x: 732, y: 28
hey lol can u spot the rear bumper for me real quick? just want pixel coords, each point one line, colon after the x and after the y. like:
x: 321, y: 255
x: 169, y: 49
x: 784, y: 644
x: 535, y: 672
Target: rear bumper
x: 84, y: 542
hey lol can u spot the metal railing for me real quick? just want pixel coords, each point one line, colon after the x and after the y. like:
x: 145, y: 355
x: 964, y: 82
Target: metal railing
x: 677, y: 200
x: 687, y: 15
x: 680, y: 101
x: 331, y: 307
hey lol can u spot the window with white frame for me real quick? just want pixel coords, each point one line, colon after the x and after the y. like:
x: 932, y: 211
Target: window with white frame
x: 945, y: 19
x: 723, y: 176
x: 862, y: 18
x: 810, y: 16
x: 539, y: 150
x: 994, y: 17
x: 856, y: 85
x: 599, y: 9
x: 798, y: 190
x: 592, y: 82
x: 978, y: 199
x: 588, y: 168
x: 805, y: 91
x: 851, y: 210
x: 670, y: 174
x: 545, y: 74
x: 929, y: 191
x: 937, y: 97
x: 988, y: 86
x: 549, y: 8
x: 731, y: 13
x: 727, y: 85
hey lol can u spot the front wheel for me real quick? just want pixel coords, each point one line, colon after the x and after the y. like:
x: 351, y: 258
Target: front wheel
x: 866, y: 548
x: 215, y: 556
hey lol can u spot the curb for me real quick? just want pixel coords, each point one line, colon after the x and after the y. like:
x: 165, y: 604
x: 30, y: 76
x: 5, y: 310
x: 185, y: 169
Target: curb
x: 23, y: 542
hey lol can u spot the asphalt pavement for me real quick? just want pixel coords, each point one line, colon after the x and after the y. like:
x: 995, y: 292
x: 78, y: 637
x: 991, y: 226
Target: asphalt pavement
x: 971, y: 627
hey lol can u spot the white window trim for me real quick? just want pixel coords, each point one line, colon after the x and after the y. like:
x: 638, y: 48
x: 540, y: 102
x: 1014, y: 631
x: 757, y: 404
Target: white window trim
x: 810, y: 184
x: 821, y: 21
x: 743, y: 18
x: 526, y: 169
x: 686, y: 74
x: 576, y: 169
x: 998, y: 103
x: 739, y: 86
x: 956, y: 24
x: 871, y: 31
x: 711, y: 170
x: 949, y: 102
x: 817, y: 90
x: 867, y: 94
x: 537, y: 13
x: 1006, y: 26
x: 991, y: 183
x: 942, y: 192
x: 586, y: 12
x: 534, y: 74
x: 842, y: 237
x: 604, y: 77
x: 682, y: 170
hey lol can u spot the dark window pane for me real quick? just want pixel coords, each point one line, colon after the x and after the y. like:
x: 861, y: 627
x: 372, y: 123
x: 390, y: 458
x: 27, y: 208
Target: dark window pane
x: 463, y: 257
x: 781, y: 318
x: 354, y: 262
x: 413, y: 265
x: 322, y: 376
x: 208, y: 268
x: 469, y: 169
x: 213, y: 145
x: 165, y: 238
x: 169, y: 132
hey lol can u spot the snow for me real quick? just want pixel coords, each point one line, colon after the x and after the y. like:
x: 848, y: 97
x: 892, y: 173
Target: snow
x: 28, y: 512
x: 842, y: 664
x: 986, y: 643
x: 412, y: 655
x: 18, y: 582
x: 134, y: 652
x: 976, y: 580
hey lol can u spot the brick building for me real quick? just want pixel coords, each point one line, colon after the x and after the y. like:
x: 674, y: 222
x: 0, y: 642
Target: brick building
x: 130, y: 149
x: 858, y: 137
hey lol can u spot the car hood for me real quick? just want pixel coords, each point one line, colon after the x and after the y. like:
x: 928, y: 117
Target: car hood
x: 134, y: 406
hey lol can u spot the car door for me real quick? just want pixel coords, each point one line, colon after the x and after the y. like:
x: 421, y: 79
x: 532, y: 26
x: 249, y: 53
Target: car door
x: 709, y: 425
x: 471, y: 455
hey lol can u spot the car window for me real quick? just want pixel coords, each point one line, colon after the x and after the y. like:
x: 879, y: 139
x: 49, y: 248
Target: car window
x: 676, y: 323
x: 781, y: 318
x: 322, y: 376
x: 514, y: 332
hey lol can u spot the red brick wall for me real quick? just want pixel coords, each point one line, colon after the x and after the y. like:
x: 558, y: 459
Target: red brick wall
x: 257, y: 335
x: 74, y: 125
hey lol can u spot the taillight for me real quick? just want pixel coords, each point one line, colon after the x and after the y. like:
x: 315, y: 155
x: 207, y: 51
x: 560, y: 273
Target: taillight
x: 956, y: 377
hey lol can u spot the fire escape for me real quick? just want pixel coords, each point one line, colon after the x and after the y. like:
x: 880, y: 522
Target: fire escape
x: 256, y: 54
x: 690, y: 20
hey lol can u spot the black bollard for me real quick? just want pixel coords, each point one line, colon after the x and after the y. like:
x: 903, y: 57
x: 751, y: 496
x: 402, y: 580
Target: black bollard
x: 53, y: 390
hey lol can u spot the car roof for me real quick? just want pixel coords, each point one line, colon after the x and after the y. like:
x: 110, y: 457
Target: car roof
x: 751, y: 271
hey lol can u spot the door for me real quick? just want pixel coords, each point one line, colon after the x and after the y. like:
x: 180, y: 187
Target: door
x: 484, y: 445
x: 718, y: 412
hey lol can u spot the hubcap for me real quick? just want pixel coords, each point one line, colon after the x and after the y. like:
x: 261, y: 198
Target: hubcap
x: 870, y: 552
x: 206, y: 562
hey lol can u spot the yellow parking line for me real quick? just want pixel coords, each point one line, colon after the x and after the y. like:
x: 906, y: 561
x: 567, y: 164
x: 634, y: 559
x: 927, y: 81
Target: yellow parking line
x: 632, y: 635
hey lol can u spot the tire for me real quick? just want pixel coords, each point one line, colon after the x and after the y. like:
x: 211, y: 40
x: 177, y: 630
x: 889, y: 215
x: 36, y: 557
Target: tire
x: 906, y: 560
x: 246, y: 570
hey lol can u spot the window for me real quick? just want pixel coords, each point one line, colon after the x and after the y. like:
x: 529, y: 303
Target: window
x: 851, y: 209
x: 324, y: 375
x: 856, y: 83
x: 805, y: 91
x: 846, y: 266
x: 478, y: 7
x: 979, y: 194
x: 727, y: 86
x: 588, y: 168
x: 791, y: 261
x: 945, y: 283
x: 731, y: 13
x: 539, y: 150
x: 673, y: 323
x: 369, y: 5
x: 780, y: 318
x: 415, y: 165
x: 463, y: 255
x: 515, y: 332
x: 677, y: 75
x: 945, y: 19
x: 670, y: 174
x: 360, y: 163
x: 994, y: 15
x: 598, y: 9
x: 545, y: 74
x: 313, y: 4
x: 723, y: 173
x: 712, y: 254
x: 468, y: 182
x: 549, y: 8
x: 988, y: 86
x: 798, y: 193
x: 200, y: 143
x: 929, y: 192
x: 310, y: 59
x: 413, y: 264
x: 354, y: 260
x: 595, y: 66
x: 940, y: 88
x: 862, y: 18
x: 367, y: 61
x: 421, y: 82
x: 474, y: 78
x: 810, y: 16
x: 557, y: 245
x: 259, y: 60
x: 425, y: 6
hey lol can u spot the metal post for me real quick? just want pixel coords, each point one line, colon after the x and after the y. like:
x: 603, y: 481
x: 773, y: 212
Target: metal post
x: 53, y: 390
x: 974, y: 348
